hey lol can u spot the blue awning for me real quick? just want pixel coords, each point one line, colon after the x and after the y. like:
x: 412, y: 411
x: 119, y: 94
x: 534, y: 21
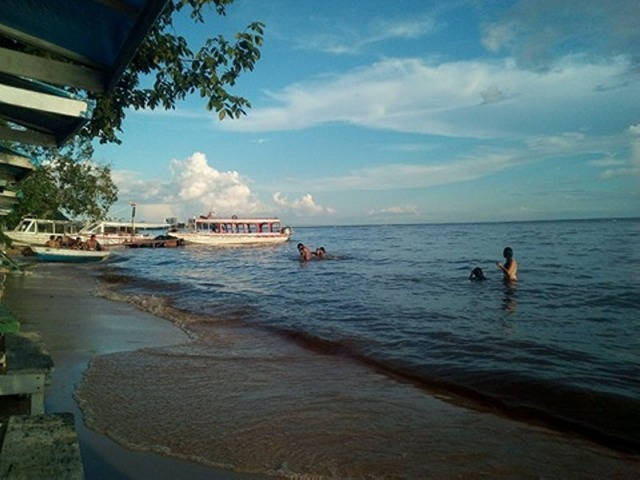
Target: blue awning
x: 85, y: 44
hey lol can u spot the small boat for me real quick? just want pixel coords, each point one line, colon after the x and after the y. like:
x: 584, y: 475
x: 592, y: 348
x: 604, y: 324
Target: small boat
x: 48, y: 254
x: 161, y: 241
x: 117, y: 233
x: 210, y: 230
x: 36, y: 231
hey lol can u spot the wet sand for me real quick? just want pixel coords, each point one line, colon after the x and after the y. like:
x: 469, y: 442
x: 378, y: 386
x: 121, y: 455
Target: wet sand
x: 58, y: 303
x: 242, y: 399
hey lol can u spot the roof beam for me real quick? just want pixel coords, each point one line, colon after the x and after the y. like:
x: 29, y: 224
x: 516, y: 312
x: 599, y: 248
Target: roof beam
x: 20, y: 97
x: 28, y: 136
x: 47, y: 46
x: 13, y: 159
x: 120, y: 6
x: 148, y: 16
x: 52, y: 71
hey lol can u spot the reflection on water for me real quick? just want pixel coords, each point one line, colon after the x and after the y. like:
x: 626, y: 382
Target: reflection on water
x: 509, y: 297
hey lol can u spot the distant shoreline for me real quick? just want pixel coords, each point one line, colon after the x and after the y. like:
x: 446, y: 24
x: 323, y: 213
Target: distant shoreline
x: 481, y: 222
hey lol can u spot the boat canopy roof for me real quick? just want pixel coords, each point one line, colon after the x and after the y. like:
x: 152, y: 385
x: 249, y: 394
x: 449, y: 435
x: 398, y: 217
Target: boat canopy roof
x: 46, y: 220
x: 137, y: 225
x: 238, y: 220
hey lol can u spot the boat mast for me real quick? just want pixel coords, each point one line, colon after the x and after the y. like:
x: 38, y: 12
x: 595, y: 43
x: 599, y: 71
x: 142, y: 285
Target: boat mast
x: 133, y: 216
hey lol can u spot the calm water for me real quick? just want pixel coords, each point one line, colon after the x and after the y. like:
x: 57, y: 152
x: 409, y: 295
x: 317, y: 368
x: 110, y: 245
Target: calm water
x: 562, y: 345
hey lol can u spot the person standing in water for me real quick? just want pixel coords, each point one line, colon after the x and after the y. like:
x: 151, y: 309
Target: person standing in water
x: 510, y: 267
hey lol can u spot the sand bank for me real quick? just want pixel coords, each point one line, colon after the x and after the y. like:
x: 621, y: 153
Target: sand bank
x: 243, y: 399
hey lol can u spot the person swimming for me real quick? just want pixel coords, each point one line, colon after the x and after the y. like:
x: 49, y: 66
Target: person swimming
x: 477, y: 275
x: 510, y: 267
x: 305, y: 253
x: 320, y: 253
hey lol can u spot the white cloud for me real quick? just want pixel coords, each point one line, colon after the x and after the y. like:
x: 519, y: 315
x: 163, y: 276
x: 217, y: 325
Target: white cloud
x: 203, y: 186
x: 497, y: 36
x: 535, y: 32
x: 632, y: 166
x: 606, y: 162
x: 401, y: 210
x: 346, y: 41
x: 402, y: 175
x: 304, y: 205
x: 563, y: 142
x: 481, y: 99
x: 194, y: 188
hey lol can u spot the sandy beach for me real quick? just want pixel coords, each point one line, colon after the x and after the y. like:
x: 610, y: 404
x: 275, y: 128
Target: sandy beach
x: 239, y: 399
x: 58, y: 303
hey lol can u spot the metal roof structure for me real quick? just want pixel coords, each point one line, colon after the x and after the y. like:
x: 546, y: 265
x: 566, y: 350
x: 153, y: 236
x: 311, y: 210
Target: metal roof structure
x: 13, y: 167
x: 82, y: 44
x: 96, y: 38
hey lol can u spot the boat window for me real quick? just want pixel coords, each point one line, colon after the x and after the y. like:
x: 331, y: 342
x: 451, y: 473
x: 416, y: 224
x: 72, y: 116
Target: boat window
x: 25, y: 227
x: 108, y: 230
x: 45, y: 227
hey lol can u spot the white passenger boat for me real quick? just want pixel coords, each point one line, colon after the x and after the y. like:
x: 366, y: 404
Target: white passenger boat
x: 235, y: 231
x: 110, y: 233
x: 36, y: 231
x: 48, y: 254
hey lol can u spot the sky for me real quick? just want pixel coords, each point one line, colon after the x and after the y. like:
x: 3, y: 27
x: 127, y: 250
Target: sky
x: 384, y: 112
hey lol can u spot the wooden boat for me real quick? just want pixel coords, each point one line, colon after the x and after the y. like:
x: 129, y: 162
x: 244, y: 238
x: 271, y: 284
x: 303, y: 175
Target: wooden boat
x: 210, y: 230
x: 48, y: 254
x: 36, y: 231
x: 161, y: 241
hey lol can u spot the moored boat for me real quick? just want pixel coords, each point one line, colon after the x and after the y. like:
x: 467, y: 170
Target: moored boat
x: 36, y: 231
x: 48, y: 254
x: 235, y: 231
x: 161, y: 241
x: 112, y: 233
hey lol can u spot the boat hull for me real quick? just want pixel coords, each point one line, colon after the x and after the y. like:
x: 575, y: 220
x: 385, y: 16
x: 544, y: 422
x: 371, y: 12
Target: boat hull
x: 167, y: 242
x: 25, y: 238
x: 47, y: 254
x: 230, y: 239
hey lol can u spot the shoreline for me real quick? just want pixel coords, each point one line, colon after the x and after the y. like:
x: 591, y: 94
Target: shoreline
x: 454, y: 431
x: 57, y: 302
x: 612, y: 429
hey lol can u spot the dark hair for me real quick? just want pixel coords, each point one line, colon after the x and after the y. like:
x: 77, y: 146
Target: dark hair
x: 322, y: 250
x: 300, y: 245
x: 507, y: 252
x: 477, y: 274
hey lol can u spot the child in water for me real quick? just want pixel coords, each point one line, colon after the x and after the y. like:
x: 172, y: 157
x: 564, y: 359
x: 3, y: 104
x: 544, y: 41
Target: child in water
x: 477, y: 275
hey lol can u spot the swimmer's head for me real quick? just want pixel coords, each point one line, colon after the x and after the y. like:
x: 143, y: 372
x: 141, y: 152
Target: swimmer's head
x: 507, y: 252
x: 477, y: 274
x: 300, y: 246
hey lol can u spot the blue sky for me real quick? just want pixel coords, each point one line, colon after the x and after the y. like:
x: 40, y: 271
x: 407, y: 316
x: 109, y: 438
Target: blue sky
x: 404, y: 112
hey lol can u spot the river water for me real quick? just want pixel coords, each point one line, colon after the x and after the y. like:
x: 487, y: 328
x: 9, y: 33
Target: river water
x: 560, y: 347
